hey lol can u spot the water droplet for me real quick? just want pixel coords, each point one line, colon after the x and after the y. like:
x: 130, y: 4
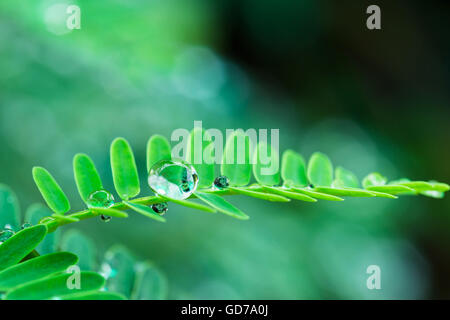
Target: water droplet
x: 311, y: 186
x: 174, y: 179
x: 160, y: 208
x: 5, y: 234
x: 221, y: 182
x: 100, y: 199
x: 105, y: 218
x: 26, y: 225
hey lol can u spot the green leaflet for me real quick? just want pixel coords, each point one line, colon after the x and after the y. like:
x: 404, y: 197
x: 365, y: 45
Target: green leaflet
x: 221, y: 205
x: 86, y: 176
x: 236, y: 159
x: 317, y: 195
x: 20, y: 245
x: 193, y: 205
x: 320, y: 170
x: 200, y: 154
x: 418, y: 185
x: 260, y: 195
x: 65, y: 218
x: 158, y: 148
x: 110, y: 212
x: 33, y: 215
x: 439, y: 186
x: 351, y: 192
x: 124, y: 170
x: 391, y: 189
x: 144, y: 210
x: 433, y: 194
x: 374, y: 179
x: 9, y: 208
x: 293, y: 169
x: 99, y: 295
x: 265, y: 167
x: 55, y: 287
x: 383, y: 195
x: 290, y: 194
x: 36, y: 269
x: 76, y: 242
x: 51, y: 191
x: 150, y: 283
x: 345, y: 178
x: 118, y: 269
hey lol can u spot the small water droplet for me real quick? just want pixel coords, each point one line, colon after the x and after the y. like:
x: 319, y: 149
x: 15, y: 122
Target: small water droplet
x: 160, y: 208
x: 100, y: 199
x: 105, y: 218
x: 174, y: 179
x: 5, y: 234
x: 26, y: 225
x: 221, y: 182
x: 311, y: 186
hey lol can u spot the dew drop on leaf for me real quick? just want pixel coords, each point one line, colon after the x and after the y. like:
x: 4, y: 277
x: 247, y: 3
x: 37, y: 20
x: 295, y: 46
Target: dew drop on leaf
x: 221, y: 182
x: 174, y: 179
x: 5, y: 234
x: 160, y: 208
x: 100, y: 199
x: 105, y: 218
x: 25, y: 225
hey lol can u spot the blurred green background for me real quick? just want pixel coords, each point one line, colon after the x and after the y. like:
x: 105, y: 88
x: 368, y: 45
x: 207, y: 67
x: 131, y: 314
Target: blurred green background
x: 371, y: 100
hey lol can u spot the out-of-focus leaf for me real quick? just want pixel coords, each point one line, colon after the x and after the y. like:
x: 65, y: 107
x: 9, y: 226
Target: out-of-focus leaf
x: 221, y: 205
x: 439, y: 186
x: 9, y: 209
x: 290, y: 194
x: 151, y: 284
x: 200, y: 154
x: 265, y: 167
x: 345, y: 178
x: 20, y: 245
x: 320, y: 170
x: 145, y: 211
x: 124, y: 170
x: 374, y: 179
x: 36, y: 268
x: 350, y: 192
x: 260, y: 195
x: 55, y: 287
x: 418, y: 185
x: 433, y: 194
x: 50, y: 190
x: 86, y: 176
x: 158, y: 148
x: 293, y: 169
x: 317, y: 195
x: 76, y: 242
x: 118, y: 270
x: 33, y: 215
x: 99, y: 295
x: 236, y: 159
x: 392, y: 189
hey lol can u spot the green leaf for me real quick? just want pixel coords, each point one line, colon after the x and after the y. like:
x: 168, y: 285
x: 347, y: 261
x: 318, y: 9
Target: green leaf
x: 374, y: 179
x: 9, y: 208
x: 144, y: 210
x: 200, y: 153
x: 50, y: 190
x: 193, y: 205
x: 76, y: 242
x: 221, y: 205
x: 65, y: 218
x: 320, y: 170
x: 86, y: 176
x: 118, y: 269
x: 293, y: 169
x: 260, y: 195
x: 33, y: 215
x: 150, y: 284
x: 290, y: 194
x: 158, y: 148
x: 439, y: 186
x: 110, y: 212
x: 35, y: 269
x: 236, y: 159
x: 55, y: 287
x: 124, y: 170
x: 351, y: 192
x: 345, y: 178
x: 391, y: 189
x: 317, y: 195
x: 99, y: 295
x: 418, y: 185
x: 20, y: 245
x: 433, y: 194
x: 265, y: 167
